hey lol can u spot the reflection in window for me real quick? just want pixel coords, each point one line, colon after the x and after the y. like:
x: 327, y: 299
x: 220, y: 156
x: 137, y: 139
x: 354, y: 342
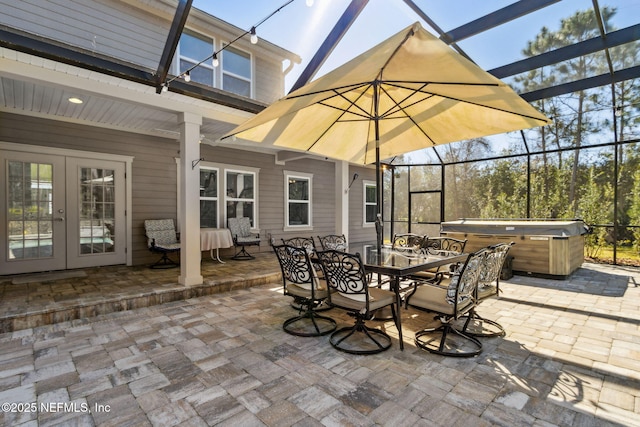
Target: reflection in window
x: 240, y: 195
x: 236, y: 71
x: 192, y: 49
x: 370, y: 205
x: 298, y: 199
x: 208, y: 197
x: 30, y: 210
x: 97, y: 210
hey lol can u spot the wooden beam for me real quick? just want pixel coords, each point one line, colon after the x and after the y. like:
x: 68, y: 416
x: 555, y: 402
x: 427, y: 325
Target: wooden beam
x: 179, y: 19
x: 334, y: 37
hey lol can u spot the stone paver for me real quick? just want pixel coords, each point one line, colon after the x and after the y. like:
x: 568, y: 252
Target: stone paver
x: 570, y: 357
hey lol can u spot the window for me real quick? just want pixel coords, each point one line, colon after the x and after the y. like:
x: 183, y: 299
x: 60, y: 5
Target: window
x: 370, y: 205
x: 193, y: 48
x: 298, y: 200
x: 240, y: 194
x: 225, y: 185
x: 236, y: 71
x: 208, y: 197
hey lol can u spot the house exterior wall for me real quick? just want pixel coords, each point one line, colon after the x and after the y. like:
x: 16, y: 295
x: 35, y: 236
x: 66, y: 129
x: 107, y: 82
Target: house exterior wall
x: 135, y: 32
x: 154, y: 177
x: 358, y: 232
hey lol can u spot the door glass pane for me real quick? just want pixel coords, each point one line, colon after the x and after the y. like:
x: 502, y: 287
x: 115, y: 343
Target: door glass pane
x: 29, y: 210
x: 97, y: 211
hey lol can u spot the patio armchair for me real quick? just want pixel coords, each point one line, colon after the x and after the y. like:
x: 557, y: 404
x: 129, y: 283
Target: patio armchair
x: 438, y: 246
x: 242, y: 236
x: 449, y: 304
x: 301, y: 282
x: 407, y: 242
x: 336, y: 242
x: 350, y: 291
x: 488, y: 286
x: 444, y: 244
x: 163, y: 239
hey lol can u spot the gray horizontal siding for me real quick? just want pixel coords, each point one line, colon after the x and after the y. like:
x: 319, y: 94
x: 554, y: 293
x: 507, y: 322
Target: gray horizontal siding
x: 117, y: 30
x: 154, y: 177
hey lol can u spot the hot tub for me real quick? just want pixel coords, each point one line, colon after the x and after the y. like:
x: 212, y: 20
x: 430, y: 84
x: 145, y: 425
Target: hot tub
x: 548, y: 248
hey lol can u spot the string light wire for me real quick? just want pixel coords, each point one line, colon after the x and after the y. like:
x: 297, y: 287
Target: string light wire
x: 214, y: 55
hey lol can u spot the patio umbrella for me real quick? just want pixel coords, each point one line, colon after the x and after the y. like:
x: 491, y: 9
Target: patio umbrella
x: 407, y: 93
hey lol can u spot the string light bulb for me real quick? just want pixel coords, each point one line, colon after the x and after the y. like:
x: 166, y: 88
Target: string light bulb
x: 187, y: 76
x: 165, y: 88
x: 254, y: 36
x: 215, y: 61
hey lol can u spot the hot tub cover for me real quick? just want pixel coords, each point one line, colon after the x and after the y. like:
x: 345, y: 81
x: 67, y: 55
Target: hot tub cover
x: 559, y: 228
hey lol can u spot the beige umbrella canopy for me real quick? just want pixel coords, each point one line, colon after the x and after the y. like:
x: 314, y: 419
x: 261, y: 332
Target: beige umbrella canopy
x: 409, y: 92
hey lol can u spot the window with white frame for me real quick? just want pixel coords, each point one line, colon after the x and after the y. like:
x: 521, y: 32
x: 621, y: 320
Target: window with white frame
x: 193, y: 48
x: 209, y: 197
x: 370, y: 202
x: 223, y: 185
x: 240, y: 195
x: 236, y: 71
x: 298, y: 199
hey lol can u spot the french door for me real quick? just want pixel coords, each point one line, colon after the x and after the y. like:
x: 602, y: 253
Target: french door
x: 60, y: 212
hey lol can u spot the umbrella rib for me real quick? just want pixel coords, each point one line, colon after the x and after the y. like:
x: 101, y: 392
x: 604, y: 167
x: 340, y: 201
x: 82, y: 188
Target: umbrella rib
x: 366, y: 117
x: 335, y: 90
x: 343, y: 113
x: 400, y: 108
x: 460, y: 99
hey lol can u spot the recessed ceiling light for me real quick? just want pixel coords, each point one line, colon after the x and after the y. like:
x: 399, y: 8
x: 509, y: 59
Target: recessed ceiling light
x: 75, y: 100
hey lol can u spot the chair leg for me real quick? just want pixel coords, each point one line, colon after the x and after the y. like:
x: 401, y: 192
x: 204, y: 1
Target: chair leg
x: 309, y: 324
x: 243, y: 255
x: 165, y: 262
x: 477, y: 326
x: 447, y: 341
x: 364, y: 340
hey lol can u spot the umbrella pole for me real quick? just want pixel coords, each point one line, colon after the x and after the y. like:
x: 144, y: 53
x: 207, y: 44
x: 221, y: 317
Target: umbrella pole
x: 376, y: 127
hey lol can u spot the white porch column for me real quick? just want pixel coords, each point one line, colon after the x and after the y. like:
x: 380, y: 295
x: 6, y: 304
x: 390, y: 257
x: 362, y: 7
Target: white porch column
x: 342, y: 198
x: 190, y: 273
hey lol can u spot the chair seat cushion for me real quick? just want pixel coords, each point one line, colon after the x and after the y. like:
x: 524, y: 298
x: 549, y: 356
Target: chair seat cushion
x: 248, y: 239
x: 487, y: 291
x: 171, y: 247
x: 304, y: 290
x: 378, y: 298
x: 433, y: 298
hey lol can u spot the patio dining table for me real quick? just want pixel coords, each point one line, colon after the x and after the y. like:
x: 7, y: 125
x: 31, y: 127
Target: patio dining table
x: 397, y: 265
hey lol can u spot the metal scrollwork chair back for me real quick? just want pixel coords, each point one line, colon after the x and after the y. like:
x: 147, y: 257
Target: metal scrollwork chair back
x: 336, y: 242
x: 488, y: 286
x: 301, y: 282
x: 449, y: 304
x: 346, y: 277
x: 408, y: 242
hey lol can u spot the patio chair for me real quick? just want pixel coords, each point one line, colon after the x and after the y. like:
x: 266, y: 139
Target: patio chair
x: 242, y: 236
x: 336, y: 242
x: 350, y: 291
x: 438, y: 246
x: 449, y: 304
x: 163, y: 239
x: 488, y: 286
x: 300, y: 282
x: 301, y: 242
x: 407, y: 242
x: 310, y: 246
x: 444, y: 244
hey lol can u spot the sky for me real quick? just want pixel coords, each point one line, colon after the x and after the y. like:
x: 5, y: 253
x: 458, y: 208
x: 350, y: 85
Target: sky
x: 301, y: 29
